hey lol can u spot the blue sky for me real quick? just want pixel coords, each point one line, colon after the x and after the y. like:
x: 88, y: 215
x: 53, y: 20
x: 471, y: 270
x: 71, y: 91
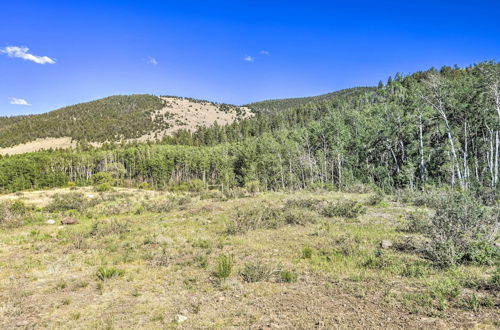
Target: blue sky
x: 66, y: 52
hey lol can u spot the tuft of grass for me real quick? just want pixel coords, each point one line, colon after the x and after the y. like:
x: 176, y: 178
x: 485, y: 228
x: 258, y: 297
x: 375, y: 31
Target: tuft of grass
x: 104, y: 273
x: 307, y: 252
x: 225, y: 264
x: 287, y: 276
x: 256, y: 272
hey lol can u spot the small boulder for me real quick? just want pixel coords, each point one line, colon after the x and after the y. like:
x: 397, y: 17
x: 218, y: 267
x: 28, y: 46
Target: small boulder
x: 180, y: 318
x: 51, y: 221
x: 386, y: 244
x: 69, y: 221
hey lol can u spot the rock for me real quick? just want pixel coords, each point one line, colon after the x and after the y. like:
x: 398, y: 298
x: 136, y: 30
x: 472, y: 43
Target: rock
x: 51, y: 221
x: 180, y: 318
x: 386, y: 244
x: 69, y: 221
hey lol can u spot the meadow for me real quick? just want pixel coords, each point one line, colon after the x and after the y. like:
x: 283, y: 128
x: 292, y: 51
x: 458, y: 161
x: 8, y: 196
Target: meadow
x: 137, y: 258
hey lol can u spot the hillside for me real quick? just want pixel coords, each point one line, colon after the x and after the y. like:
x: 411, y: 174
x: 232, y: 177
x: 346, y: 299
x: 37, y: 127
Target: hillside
x: 113, y: 119
x: 282, y: 104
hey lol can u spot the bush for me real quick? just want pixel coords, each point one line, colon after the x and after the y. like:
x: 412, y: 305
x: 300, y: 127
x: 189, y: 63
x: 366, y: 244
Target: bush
x: 236, y: 192
x: 252, y: 187
x: 11, y: 214
x: 358, y: 188
x: 103, y: 178
x: 416, y: 222
x: 307, y: 252
x: 263, y: 215
x: 306, y: 203
x: 70, y: 201
x: 462, y: 231
x: 103, y: 187
x: 256, y: 272
x: 319, y: 187
x: 197, y: 186
x: 224, y: 266
x: 287, y: 276
x: 375, y: 199
x: 104, y: 273
x: 344, y: 208
x: 295, y: 216
x: 145, y: 186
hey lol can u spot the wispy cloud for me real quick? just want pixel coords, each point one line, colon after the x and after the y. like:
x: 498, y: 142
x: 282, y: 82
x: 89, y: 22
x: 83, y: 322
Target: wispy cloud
x: 248, y: 58
x: 265, y: 52
x: 22, y: 52
x: 17, y: 101
x: 152, y: 61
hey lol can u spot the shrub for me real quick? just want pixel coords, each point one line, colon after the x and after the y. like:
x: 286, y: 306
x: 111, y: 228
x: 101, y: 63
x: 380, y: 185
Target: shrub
x: 256, y: 272
x: 288, y: 276
x: 70, y: 201
x: 307, y: 252
x: 344, y: 208
x: 103, y: 178
x: 224, y: 266
x: 197, y: 186
x: 417, y: 269
x: 103, y: 187
x: 145, y: 186
x: 236, y: 192
x: 11, y: 215
x: 252, y: 187
x: 296, y: 216
x: 375, y: 199
x: 318, y: 187
x: 263, y: 215
x: 416, y: 222
x: 306, y: 203
x: 358, y: 188
x: 462, y: 231
x: 104, y: 273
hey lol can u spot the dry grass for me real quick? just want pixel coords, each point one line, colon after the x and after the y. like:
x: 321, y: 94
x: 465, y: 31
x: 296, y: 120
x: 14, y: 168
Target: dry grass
x: 51, y: 276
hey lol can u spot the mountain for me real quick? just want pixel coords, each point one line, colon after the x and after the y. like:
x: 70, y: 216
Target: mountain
x: 283, y: 104
x: 117, y: 118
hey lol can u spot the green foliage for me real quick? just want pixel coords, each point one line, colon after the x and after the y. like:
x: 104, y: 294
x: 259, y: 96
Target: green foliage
x: 253, y: 187
x: 103, y: 187
x: 108, y: 119
x: 104, y: 273
x: 307, y: 252
x: 256, y: 272
x: 224, y: 268
x: 69, y: 201
x: 103, y: 178
x: 197, y: 186
x: 287, y: 276
x: 462, y: 231
x: 345, y: 208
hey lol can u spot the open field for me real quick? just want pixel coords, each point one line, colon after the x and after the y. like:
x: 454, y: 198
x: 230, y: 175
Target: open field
x: 151, y: 260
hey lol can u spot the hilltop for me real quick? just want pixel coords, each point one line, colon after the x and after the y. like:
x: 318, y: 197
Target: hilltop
x: 119, y: 118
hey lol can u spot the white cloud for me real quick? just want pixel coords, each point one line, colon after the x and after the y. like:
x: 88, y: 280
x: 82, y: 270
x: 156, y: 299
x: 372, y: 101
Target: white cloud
x: 265, y: 52
x: 22, y: 52
x: 248, y: 58
x: 152, y: 61
x: 17, y: 101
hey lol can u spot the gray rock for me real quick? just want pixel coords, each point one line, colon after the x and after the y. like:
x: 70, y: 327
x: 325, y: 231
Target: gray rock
x: 180, y: 318
x: 386, y: 244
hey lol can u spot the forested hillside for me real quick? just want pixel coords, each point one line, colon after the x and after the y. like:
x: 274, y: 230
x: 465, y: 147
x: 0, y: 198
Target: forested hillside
x: 436, y: 127
x: 117, y: 118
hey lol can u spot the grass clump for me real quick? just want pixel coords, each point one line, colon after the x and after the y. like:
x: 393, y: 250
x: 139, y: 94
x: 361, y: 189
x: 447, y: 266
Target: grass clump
x: 263, y: 215
x: 307, y: 252
x: 104, y: 273
x: 225, y: 264
x: 287, y: 276
x: 256, y: 272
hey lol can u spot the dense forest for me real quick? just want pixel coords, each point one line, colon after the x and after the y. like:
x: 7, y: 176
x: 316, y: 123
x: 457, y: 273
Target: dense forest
x: 435, y: 127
